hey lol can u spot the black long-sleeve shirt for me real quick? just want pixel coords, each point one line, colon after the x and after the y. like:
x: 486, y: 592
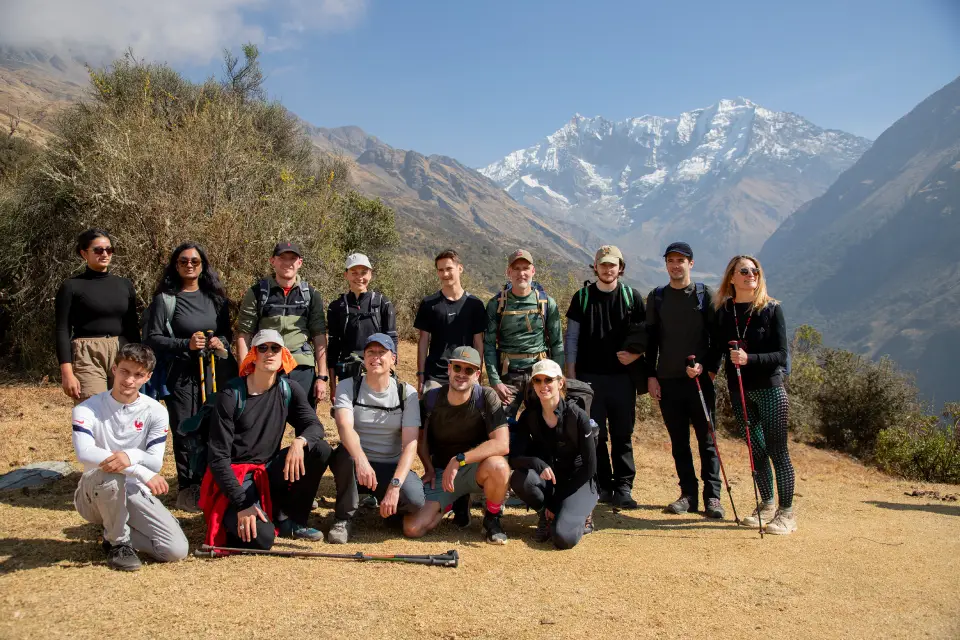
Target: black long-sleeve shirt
x: 346, y: 336
x: 255, y: 437
x: 94, y: 304
x: 765, y: 341
x: 569, y: 450
x: 679, y: 329
x: 194, y: 311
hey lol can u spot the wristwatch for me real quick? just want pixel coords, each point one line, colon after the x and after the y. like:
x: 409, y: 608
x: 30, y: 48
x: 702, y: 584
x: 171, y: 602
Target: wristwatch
x: 395, y: 482
x: 324, y: 378
x: 462, y: 459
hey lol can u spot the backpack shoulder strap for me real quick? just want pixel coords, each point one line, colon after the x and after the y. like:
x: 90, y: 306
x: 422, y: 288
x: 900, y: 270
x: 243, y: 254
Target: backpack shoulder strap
x: 626, y: 292
x: 169, y: 308
x: 263, y: 292
x: 430, y: 399
x: 239, y: 385
x: 357, y: 381
x: 658, y: 300
x: 285, y: 391
x: 501, y: 300
x: 305, y: 291
x: 584, y: 296
x: 479, y: 401
x: 401, y: 393
x: 701, y: 290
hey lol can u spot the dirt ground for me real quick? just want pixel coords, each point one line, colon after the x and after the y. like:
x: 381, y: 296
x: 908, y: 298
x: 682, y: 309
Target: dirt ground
x: 867, y: 561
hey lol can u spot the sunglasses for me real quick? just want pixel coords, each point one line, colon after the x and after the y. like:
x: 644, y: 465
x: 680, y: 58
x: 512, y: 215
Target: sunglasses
x: 746, y: 271
x: 465, y: 370
x: 103, y: 250
x: 544, y: 380
x: 183, y: 262
x: 272, y: 348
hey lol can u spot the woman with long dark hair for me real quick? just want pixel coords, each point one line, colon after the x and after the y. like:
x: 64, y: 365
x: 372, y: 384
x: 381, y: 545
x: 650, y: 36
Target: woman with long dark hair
x: 188, y: 302
x: 554, y: 460
x: 96, y: 314
x: 748, y: 315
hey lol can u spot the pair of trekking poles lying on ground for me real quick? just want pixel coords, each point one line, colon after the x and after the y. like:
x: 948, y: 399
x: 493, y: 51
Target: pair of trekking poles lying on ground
x: 691, y: 362
x: 449, y: 559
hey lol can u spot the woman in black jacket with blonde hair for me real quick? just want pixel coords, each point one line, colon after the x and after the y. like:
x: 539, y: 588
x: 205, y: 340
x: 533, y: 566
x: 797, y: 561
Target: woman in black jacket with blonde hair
x: 748, y: 315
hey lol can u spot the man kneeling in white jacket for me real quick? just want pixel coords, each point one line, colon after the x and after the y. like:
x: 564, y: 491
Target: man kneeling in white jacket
x: 119, y: 436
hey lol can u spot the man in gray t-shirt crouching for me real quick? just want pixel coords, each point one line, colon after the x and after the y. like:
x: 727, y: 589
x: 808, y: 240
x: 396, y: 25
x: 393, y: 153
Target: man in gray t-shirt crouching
x: 378, y: 425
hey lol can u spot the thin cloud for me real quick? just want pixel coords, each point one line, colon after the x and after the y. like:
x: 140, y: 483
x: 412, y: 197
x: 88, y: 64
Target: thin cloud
x: 193, y: 31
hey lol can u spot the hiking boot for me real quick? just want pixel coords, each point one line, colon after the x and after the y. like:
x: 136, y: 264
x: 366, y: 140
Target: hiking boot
x: 187, y: 499
x: 369, y: 502
x: 339, y: 533
x: 767, y: 512
x: 714, y: 509
x: 492, y: 529
x: 683, y: 504
x: 783, y: 523
x: 588, y: 527
x: 290, y: 529
x: 544, y: 527
x: 122, y: 557
x: 606, y: 496
x: 461, y: 512
x: 623, y: 500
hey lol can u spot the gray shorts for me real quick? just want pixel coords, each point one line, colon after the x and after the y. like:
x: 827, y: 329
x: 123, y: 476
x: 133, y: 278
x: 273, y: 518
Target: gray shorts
x: 464, y: 484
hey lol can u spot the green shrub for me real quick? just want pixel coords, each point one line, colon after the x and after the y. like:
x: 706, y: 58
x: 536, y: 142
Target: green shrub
x: 927, y: 449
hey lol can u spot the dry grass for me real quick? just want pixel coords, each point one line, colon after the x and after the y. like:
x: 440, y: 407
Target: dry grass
x: 867, y: 562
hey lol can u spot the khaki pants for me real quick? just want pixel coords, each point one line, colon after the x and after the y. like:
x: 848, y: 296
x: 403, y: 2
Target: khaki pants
x: 92, y: 364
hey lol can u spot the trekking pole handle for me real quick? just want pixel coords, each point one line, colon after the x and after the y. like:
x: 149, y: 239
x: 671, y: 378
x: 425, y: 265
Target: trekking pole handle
x: 734, y: 344
x: 691, y: 361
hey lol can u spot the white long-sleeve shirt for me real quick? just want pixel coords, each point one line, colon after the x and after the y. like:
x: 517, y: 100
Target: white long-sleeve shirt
x: 101, y: 425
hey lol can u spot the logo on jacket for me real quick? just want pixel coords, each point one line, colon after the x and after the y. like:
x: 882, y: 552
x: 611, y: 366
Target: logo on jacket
x: 138, y: 424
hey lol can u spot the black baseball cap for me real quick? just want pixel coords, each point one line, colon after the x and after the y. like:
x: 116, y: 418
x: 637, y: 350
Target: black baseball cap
x: 679, y: 247
x: 283, y: 247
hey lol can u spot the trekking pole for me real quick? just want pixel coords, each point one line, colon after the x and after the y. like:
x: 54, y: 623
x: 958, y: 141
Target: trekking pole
x: 692, y: 361
x: 449, y: 559
x: 203, y: 381
x: 735, y: 344
x: 213, y: 362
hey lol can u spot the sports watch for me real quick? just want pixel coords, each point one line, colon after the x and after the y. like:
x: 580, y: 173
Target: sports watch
x: 395, y: 482
x: 324, y: 378
x: 462, y: 459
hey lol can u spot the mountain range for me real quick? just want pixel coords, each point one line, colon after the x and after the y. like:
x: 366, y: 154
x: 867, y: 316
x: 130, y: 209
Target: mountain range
x: 722, y: 178
x: 874, y: 262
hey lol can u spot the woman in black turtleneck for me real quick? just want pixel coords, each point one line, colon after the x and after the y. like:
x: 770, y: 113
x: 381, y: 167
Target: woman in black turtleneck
x: 96, y: 314
x: 199, y: 303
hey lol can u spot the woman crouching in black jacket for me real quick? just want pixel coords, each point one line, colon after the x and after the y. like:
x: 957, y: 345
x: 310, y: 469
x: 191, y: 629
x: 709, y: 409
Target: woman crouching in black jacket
x: 554, y: 457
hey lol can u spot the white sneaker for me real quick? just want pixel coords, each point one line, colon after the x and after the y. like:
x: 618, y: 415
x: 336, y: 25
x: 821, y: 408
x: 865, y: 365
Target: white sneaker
x: 783, y: 523
x: 768, y: 511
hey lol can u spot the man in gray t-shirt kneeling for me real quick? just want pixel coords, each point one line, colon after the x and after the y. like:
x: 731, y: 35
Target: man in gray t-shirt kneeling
x: 378, y: 441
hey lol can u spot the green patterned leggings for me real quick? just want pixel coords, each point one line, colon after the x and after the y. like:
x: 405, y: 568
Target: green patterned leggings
x: 767, y: 410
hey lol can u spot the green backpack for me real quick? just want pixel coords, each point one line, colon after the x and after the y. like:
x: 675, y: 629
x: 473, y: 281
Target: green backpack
x: 194, y: 432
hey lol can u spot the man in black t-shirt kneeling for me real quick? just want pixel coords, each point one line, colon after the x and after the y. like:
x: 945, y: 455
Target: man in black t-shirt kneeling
x: 598, y: 320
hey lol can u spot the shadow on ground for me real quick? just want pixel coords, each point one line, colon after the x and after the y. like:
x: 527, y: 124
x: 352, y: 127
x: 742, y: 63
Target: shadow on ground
x: 57, y: 495
x: 34, y: 553
x: 941, y: 509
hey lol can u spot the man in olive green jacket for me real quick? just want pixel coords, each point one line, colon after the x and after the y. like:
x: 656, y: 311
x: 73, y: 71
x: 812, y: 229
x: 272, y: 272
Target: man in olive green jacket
x: 523, y: 326
x: 292, y: 307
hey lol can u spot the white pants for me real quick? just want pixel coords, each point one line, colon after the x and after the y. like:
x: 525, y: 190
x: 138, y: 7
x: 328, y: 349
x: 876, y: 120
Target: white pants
x: 129, y: 514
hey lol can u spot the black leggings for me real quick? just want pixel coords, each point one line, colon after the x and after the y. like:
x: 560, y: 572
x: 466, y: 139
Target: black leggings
x: 768, y: 410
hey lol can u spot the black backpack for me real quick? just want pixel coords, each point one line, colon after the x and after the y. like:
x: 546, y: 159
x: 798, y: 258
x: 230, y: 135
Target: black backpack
x: 194, y: 432
x: 376, y: 300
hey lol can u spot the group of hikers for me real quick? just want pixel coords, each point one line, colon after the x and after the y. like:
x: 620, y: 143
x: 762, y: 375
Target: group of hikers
x: 551, y: 429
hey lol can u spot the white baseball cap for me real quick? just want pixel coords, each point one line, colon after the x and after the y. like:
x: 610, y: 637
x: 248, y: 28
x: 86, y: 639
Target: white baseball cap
x: 357, y: 260
x: 546, y: 368
x: 266, y: 336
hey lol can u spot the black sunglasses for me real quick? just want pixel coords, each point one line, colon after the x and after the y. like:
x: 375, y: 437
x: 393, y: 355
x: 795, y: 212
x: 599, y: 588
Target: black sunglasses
x: 746, y: 271
x: 183, y: 262
x: 462, y: 369
x: 544, y: 380
x: 103, y: 250
x: 272, y: 348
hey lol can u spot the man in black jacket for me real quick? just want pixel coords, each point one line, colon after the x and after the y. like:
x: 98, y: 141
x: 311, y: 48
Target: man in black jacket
x: 248, y: 471
x: 598, y: 320
x: 680, y: 320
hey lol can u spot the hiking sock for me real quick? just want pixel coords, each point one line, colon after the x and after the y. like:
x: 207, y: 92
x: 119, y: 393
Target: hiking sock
x: 494, y: 508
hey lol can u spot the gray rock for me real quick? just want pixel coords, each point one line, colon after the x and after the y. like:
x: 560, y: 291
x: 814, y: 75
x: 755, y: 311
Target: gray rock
x: 35, y: 475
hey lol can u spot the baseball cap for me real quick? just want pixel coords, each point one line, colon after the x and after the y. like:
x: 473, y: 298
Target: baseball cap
x: 519, y: 254
x: 383, y: 340
x: 283, y: 247
x: 546, y: 368
x: 265, y: 336
x: 357, y: 260
x: 466, y: 355
x: 608, y: 254
x: 679, y: 247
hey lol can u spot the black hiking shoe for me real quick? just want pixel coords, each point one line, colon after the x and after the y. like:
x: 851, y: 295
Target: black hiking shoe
x: 122, y: 557
x: 492, y: 529
x: 623, y: 500
x: 714, y: 509
x: 461, y: 512
x: 544, y: 527
x: 683, y: 504
x: 606, y: 496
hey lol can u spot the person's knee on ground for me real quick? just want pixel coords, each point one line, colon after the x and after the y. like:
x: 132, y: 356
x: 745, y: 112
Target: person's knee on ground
x: 525, y: 483
x: 424, y: 521
x: 173, y: 550
x: 567, y: 537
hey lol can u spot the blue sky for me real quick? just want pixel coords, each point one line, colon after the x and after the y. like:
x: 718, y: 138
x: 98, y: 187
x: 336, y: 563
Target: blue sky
x: 476, y: 80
